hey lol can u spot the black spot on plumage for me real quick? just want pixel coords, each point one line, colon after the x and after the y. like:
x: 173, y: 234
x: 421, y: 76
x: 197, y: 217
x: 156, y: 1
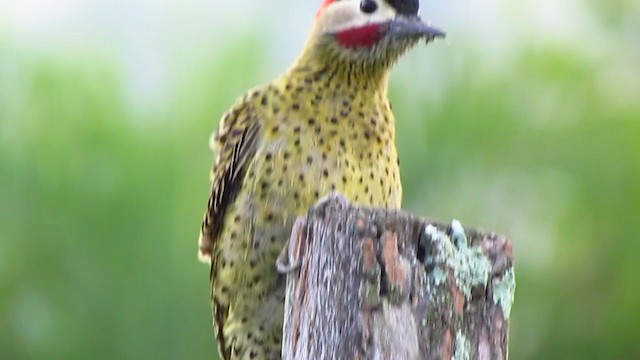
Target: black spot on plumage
x: 319, y: 73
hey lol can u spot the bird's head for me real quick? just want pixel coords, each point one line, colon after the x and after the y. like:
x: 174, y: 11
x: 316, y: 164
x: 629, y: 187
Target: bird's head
x: 368, y: 31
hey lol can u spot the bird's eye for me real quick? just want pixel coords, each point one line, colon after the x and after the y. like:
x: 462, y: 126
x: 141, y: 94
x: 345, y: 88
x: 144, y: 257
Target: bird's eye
x: 368, y: 6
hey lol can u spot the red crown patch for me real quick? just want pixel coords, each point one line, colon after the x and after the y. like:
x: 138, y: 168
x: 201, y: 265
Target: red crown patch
x: 324, y: 5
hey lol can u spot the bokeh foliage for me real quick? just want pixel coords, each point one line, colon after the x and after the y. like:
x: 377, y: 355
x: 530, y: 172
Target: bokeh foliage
x: 100, y: 204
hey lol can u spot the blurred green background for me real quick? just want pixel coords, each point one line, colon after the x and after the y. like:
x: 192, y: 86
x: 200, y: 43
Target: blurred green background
x: 525, y: 121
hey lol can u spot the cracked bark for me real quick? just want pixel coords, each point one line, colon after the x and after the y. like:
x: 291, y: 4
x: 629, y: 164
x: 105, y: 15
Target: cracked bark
x: 384, y: 284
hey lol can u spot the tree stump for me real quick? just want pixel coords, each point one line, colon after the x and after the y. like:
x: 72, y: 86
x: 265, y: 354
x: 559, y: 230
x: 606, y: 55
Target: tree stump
x: 384, y: 284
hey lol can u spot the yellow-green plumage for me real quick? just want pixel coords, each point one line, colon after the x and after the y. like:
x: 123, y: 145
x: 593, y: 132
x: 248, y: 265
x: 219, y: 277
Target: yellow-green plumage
x: 314, y: 134
x: 325, y: 125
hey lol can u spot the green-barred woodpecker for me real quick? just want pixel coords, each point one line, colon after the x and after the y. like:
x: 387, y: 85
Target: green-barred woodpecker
x: 324, y: 125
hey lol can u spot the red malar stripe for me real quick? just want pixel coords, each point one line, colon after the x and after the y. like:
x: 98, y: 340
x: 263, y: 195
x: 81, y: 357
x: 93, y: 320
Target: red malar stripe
x: 364, y: 36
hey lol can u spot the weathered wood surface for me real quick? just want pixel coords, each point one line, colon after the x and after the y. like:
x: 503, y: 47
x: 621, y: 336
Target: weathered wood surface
x: 383, y: 284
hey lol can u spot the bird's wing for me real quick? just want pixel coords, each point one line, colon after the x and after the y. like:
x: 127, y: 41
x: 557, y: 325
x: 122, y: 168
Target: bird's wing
x: 235, y: 144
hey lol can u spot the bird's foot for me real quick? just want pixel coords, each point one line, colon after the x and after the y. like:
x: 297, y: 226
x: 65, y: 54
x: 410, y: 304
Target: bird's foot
x: 290, y: 257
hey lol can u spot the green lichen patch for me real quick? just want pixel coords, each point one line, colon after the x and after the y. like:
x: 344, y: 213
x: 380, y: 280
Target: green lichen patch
x: 504, y: 290
x: 439, y: 276
x: 458, y: 235
x: 471, y: 267
x: 441, y: 241
x: 463, y: 347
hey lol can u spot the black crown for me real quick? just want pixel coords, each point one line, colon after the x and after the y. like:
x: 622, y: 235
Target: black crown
x: 405, y: 7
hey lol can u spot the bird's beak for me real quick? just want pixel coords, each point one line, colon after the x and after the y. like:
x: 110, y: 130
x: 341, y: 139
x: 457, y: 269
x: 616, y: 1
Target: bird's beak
x: 413, y: 26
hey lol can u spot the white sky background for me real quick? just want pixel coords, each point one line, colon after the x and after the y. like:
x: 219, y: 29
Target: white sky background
x: 153, y: 38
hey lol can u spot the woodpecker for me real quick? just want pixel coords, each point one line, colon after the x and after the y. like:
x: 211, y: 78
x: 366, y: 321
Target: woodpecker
x: 324, y: 125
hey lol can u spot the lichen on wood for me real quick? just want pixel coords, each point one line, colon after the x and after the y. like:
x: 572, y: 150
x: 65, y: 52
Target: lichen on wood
x: 384, y: 284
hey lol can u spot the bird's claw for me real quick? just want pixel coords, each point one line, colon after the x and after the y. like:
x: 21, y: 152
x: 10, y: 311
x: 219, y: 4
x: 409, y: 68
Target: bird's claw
x: 334, y: 198
x: 290, y: 257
